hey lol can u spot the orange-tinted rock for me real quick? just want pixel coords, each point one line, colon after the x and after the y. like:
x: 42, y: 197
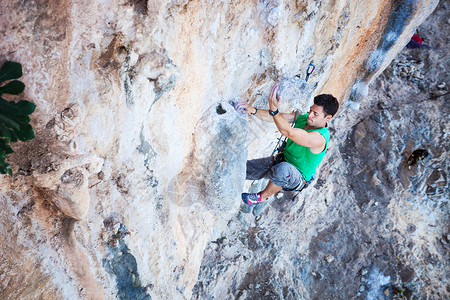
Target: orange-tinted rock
x: 131, y: 90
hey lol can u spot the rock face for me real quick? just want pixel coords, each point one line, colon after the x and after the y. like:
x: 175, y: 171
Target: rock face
x: 131, y: 188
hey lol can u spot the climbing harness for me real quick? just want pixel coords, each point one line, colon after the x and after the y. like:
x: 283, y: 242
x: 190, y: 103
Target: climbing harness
x: 302, y: 185
x: 309, y: 70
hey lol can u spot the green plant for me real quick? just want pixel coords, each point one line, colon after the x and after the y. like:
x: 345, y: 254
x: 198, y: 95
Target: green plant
x: 14, y: 117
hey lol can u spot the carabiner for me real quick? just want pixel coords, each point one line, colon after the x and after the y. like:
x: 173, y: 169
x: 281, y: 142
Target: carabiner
x: 309, y: 70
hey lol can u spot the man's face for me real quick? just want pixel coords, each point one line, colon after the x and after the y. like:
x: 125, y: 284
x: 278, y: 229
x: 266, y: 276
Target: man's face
x: 316, y: 116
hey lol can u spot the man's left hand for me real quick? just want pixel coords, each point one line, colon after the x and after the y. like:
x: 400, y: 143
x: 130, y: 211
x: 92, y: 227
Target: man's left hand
x: 274, y: 102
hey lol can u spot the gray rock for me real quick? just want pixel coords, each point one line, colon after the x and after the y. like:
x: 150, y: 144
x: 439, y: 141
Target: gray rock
x: 329, y: 258
x: 438, y: 93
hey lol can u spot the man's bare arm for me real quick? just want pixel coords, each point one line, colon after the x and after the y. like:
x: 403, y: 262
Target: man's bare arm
x: 262, y: 114
x: 313, y: 140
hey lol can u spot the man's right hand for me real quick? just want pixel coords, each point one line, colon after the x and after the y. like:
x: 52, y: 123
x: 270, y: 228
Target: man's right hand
x: 243, y: 107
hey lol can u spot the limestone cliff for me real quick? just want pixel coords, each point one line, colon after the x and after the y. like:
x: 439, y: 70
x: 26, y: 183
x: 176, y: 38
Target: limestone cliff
x: 135, y: 174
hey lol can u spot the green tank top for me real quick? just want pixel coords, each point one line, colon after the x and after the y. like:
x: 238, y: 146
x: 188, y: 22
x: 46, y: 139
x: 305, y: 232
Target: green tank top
x: 301, y: 157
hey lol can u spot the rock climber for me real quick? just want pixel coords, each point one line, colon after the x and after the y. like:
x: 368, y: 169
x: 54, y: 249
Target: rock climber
x: 305, y: 147
x: 417, y: 42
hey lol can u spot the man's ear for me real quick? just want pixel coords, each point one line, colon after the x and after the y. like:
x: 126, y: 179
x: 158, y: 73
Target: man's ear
x: 328, y: 117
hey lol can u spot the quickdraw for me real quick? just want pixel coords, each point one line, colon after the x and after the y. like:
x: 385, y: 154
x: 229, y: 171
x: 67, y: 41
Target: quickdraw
x: 309, y: 70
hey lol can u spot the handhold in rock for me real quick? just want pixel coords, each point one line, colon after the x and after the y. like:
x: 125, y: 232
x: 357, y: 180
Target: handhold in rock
x: 220, y: 110
x: 441, y: 85
x: 329, y: 258
x: 438, y: 93
x: 416, y: 156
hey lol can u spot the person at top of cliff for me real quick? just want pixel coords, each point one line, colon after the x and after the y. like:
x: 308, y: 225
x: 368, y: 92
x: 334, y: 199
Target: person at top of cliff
x: 306, y: 145
x: 417, y: 42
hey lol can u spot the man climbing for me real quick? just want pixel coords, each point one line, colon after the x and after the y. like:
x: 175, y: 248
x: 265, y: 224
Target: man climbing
x: 417, y: 42
x: 305, y: 147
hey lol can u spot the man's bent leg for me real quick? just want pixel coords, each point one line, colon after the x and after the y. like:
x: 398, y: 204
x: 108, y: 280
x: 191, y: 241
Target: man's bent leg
x: 259, y: 168
x: 252, y: 198
x: 285, y: 175
x: 270, y: 189
x: 282, y: 175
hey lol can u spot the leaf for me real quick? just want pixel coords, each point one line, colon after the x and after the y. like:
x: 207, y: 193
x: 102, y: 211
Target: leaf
x: 2, y: 158
x: 8, y: 122
x: 13, y: 136
x: 10, y: 70
x: 5, y: 148
x: 14, y: 116
x: 6, y: 169
x: 26, y: 133
x: 14, y: 87
x: 23, y: 107
x: 23, y: 119
x: 4, y: 132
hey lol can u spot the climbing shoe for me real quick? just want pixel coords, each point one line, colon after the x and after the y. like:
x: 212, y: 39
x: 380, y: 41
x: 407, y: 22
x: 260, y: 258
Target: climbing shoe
x: 251, y: 199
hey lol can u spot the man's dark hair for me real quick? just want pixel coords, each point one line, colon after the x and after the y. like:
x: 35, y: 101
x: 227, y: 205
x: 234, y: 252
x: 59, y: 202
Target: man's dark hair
x: 328, y: 102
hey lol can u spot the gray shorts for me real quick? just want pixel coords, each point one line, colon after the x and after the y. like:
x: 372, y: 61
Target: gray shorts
x: 282, y: 174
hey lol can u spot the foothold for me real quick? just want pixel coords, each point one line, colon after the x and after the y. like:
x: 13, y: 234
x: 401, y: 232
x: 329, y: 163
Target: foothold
x: 417, y: 155
x: 329, y: 258
x: 359, y: 92
x: 165, y: 83
x: 140, y: 6
x: 221, y: 240
x: 438, y: 93
x: 116, y: 238
x: 220, y: 110
x: 265, y: 58
x: 272, y: 13
x: 318, y: 275
x: 411, y: 228
x: 354, y: 105
x: 441, y: 85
